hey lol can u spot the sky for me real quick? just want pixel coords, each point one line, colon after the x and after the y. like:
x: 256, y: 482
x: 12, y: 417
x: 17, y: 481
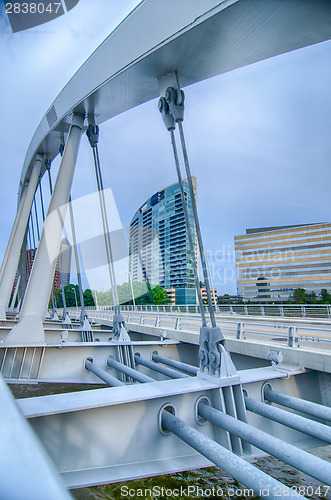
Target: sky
x: 258, y: 138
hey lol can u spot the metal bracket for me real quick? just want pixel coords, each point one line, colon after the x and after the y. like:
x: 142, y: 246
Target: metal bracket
x: 214, y: 358
x: 119, y: 328
x: 92, y: 133
x: 175, y: 99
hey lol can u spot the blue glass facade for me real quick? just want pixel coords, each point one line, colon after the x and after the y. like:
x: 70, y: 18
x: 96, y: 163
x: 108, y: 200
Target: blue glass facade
x: 159, y: 249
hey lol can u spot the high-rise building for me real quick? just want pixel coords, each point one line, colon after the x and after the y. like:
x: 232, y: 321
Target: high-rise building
x: 159, y: 251
x: 272, y: 262
x: 64, y: 261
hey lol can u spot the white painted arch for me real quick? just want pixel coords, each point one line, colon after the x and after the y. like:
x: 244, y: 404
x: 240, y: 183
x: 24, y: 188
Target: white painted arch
x: 198, y: 39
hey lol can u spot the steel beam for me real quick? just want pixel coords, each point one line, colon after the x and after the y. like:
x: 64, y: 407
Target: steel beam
x: 26, y: 470
x: 30, y: 328
x: 13, y: 251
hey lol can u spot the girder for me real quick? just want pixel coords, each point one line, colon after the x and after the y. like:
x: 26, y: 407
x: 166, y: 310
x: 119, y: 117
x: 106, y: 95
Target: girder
x: 198, y: 40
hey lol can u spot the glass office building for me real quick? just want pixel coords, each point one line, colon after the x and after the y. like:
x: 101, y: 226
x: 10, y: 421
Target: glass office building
x: 159, y: 248
x: 272, y: 262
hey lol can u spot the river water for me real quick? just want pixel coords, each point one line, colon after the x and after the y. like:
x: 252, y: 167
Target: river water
x: 211, y: 483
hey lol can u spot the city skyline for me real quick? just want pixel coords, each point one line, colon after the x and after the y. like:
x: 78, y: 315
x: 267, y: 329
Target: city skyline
x: 258, y: 137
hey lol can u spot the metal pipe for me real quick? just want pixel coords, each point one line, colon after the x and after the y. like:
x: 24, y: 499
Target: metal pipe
x: 313, y: 409
x: 30, y: 327
x: 262, y: 484
x: 192, y: 370
x: 36, y: 216
x: 41, y: 200
x: 169, y: 372
x: 197, y: 224
x: 300, y: 459
x: 102, y: 374
x: 106, y: 232
x: 187, y: 224
x: 78, y: 269
x: 140, y: 377
x: 302, y: 424
x: 13, y: 250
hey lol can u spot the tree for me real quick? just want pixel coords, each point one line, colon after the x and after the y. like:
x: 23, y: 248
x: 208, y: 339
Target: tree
x: 326, y: 297
x: 311, y: 298
x: 88, y: 298
x: 299, y: 296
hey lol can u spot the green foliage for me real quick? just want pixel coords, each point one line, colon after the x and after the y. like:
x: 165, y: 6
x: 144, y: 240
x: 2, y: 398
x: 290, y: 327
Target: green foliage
x: 299, y: 296
x: 88, y: 298
x: 157, y: 295
x: 326, y: 296
x: 311, y: 298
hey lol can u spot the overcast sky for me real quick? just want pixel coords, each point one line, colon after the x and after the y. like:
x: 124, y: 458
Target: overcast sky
x: 259, y: 138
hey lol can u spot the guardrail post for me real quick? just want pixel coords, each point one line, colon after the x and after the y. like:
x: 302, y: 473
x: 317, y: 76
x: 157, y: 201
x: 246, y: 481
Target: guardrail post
x: 157, y: 321
x: 292, y: 339
x: 281, y: 311
x: 141, y: 320
x: 329, y: 311
x: 262, y: 310
x: 178, y: 324
x: 231, y: 309
x: 240, y: 331
x: 246, y: 310
x: 303, y: 311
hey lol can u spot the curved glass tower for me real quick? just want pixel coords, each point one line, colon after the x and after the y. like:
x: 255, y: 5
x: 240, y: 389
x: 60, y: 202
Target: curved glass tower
x: 159, y: 249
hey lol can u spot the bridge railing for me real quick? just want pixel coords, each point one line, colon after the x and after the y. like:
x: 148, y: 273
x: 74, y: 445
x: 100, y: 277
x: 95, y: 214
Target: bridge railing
x: 277, y: 310
x: 293, y: 333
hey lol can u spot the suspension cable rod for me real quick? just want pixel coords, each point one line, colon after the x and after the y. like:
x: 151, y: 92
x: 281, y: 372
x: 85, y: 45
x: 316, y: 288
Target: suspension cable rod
x: 105, y: 227
x: 83, y: 314
x: 197, y: 224
x: 36, y: 217
x: 188, y: 229
x: 32, y: 231
x: 41, y: 200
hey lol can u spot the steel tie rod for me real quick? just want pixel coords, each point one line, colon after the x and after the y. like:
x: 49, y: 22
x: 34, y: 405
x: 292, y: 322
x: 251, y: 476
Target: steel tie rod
x: 169, y: 372
x: 300, y: 459
x: 308, y: 407
x: 302, y: 424
x: 244, y: 472
x: 102, y: 374
x: 192, y: 370
x: 140, y: 377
